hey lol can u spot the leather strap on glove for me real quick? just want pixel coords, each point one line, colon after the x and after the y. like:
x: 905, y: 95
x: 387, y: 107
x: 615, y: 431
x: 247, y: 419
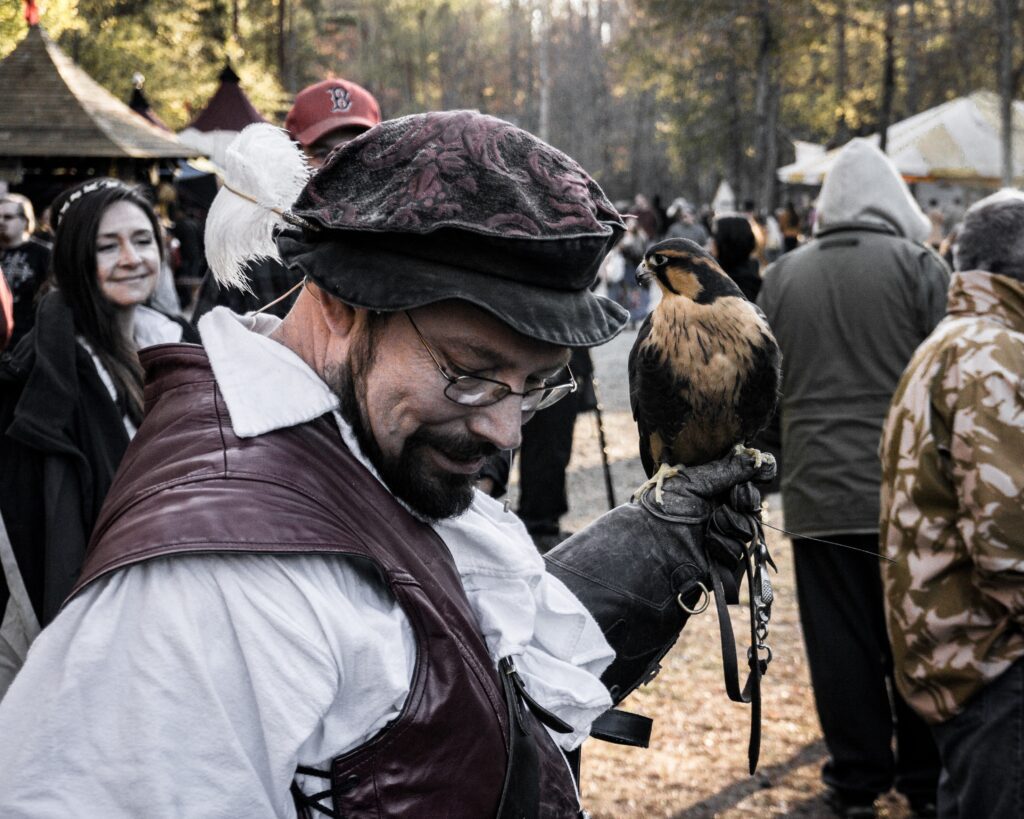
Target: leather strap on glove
x: 643, y: 568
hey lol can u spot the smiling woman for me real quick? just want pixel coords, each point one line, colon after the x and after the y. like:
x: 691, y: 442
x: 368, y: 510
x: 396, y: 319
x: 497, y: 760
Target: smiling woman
x: 71, y: 391
x: 127, y: 255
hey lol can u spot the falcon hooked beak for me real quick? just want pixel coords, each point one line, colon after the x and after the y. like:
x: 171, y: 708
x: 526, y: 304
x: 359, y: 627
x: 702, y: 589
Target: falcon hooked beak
x: 647, y: 270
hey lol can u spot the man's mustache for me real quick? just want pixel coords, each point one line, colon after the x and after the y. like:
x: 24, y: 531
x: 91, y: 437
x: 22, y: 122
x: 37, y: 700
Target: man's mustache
x: 454, y: 447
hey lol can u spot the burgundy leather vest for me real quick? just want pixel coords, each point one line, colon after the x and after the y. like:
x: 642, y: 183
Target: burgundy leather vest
x: 187, y: 485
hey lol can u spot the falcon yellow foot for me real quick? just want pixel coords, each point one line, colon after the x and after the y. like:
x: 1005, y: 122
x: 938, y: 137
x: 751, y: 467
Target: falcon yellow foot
x: 657, y: 480
x: 756, y: 454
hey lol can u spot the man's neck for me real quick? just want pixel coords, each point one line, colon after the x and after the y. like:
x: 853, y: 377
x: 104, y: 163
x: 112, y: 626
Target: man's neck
x: 302, y: 331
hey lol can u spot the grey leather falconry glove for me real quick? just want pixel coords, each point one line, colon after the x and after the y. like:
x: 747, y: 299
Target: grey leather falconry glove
x: 639, y: 568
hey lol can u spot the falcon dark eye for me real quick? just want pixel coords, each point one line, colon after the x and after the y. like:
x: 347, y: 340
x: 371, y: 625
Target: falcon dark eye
x: 658, y: 260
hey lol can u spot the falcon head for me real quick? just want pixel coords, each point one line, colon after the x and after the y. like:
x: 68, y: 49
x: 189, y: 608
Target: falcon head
x: 684, y: 269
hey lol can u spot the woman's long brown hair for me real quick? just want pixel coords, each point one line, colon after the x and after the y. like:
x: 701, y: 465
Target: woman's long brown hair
x: 73, y: 271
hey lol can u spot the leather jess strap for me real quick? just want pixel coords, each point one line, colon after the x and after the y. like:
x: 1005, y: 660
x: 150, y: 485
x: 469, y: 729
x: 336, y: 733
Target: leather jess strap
x: 736, y: 526
x: 623, y: 728
x: 751, y: 692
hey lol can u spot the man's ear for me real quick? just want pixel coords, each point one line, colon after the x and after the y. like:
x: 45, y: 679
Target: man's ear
x: 338, y: 317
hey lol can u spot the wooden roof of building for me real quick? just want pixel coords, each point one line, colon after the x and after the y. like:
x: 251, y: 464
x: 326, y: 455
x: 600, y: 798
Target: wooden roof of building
x: 52, y: 108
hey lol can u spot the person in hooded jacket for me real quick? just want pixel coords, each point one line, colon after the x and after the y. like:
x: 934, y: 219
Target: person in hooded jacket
x: 71, y: 399
x: 848, y: 309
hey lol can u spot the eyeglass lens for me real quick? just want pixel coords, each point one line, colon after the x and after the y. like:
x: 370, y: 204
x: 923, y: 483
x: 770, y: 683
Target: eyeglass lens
x: 478, y: 393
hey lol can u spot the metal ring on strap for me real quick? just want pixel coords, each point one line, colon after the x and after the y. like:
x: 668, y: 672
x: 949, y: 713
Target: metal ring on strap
x: 701, y: 607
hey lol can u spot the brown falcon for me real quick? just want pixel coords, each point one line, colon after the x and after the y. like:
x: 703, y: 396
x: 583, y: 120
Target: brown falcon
x: 704, y: 371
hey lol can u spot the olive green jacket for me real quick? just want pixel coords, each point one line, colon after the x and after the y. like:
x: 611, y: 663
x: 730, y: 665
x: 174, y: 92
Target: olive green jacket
x: 952, y: 512
x: 848, y: 309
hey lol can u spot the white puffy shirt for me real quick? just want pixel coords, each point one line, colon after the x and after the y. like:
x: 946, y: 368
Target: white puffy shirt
x: 194, y: 685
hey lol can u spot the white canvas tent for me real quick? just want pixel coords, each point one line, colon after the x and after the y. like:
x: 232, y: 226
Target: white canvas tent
x: 956, y: 141
x: 724, y: 200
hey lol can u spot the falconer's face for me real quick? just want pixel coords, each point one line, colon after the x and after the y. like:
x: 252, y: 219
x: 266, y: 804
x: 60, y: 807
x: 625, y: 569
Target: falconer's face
x: 395, y: 389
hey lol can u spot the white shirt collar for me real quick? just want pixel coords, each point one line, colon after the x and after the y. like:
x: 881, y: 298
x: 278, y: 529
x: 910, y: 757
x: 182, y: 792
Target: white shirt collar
x: 153, y: 327
x: 265, y: 385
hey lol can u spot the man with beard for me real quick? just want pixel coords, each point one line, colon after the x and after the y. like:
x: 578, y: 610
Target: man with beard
x: 295, y: 600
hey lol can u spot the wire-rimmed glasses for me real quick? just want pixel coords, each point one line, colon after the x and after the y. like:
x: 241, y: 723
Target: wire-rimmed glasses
x: 478, y: 391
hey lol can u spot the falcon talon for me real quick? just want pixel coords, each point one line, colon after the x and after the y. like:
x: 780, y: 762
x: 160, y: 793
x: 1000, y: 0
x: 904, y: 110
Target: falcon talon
x: 657, y: 481
x: 756, y: 454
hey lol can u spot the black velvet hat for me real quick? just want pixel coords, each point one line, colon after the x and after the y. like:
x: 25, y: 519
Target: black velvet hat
x: 456, y: 204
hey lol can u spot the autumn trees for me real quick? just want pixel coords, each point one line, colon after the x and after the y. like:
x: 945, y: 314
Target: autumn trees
x: 737, y: 80
x: 661, y: 96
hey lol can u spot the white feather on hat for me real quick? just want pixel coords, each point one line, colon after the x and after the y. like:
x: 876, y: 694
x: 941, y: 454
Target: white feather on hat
x: 264, y: 171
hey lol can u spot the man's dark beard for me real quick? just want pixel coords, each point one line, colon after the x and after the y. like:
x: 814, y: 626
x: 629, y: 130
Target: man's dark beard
x: 412, y: 476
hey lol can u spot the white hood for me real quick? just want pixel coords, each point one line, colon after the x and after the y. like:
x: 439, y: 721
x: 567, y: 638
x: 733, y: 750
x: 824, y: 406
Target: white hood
x: 864, y: 186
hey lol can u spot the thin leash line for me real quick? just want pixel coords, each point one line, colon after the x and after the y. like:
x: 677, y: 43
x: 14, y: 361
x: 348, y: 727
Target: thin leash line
x: 829, y: 542
x: 283, y: 296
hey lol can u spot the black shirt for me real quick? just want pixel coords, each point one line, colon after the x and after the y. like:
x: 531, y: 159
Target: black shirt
x: 25, y: 267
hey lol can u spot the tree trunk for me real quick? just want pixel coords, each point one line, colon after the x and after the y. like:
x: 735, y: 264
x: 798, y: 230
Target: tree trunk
x: 420, y: 93
x: 888, y: 74
x: 604, y: 96
x: 769, y: 181
x: 911, y: 69
x: 282, y: 39
x: 1006, y: 11
x: 764, y: 103
x: 289, y: 76
x: 734, y: 141
x: 842, y: 132
x: 544, y: 71
x: 513, y: 51
x: 639, y: 138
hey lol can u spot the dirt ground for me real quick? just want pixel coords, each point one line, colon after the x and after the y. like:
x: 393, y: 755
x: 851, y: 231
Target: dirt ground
x: 696, y: 766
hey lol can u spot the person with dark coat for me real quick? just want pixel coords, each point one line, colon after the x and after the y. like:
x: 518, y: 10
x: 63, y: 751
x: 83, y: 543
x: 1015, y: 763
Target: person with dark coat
x: 789, y: 224
x: 734, y: 246
x: 24, y: 259
x: 544, y: 457
x: 848, y: 309
x: 71, y: 396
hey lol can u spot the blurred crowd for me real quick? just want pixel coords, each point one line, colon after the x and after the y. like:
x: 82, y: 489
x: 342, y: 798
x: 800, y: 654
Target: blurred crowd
x: 743, y: 241
x: 853, y: 285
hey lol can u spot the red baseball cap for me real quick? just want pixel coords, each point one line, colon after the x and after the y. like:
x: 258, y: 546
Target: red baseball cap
x: 327, y: 106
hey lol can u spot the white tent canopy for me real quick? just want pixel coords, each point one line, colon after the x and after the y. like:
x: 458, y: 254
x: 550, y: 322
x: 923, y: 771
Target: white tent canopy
x: 958, y: 141
x: 724, y: 200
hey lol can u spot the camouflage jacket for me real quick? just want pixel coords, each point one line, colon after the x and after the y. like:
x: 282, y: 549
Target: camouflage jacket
x: 952, y: 513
